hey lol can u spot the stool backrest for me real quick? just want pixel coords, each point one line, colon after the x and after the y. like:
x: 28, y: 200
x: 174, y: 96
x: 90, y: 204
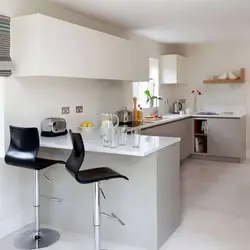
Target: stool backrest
x: 76, y: 158
x: 24, y: 146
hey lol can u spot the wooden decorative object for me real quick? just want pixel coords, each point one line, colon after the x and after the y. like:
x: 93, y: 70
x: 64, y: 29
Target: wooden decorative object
x: 242, y: 79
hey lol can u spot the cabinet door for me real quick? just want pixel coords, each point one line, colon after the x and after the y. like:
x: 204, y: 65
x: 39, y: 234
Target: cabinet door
x: 181, y: 70
x: 151, y: 131
x: 226, y: 137
x: 182, y: 129
x: 172, y: 69
x: 46, y: 46
x: 186, y: 138
x: 168, y: 69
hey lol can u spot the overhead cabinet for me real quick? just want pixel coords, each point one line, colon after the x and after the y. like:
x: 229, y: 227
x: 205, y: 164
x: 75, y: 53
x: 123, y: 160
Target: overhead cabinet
x: 45, y: 46
x: 172, y: 69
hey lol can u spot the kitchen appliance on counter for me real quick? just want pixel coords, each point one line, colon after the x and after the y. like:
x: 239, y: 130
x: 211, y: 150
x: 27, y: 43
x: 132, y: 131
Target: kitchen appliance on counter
x: 125, y: 116
x: 52, y: 127
x: 177, y: 106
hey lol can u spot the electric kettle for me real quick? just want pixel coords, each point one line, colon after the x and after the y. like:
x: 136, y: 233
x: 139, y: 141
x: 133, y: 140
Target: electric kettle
x: 177, y: 106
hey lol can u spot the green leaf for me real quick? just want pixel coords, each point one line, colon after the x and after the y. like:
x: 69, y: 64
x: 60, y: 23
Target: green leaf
x: 154, y: 97
x: 147, y: 93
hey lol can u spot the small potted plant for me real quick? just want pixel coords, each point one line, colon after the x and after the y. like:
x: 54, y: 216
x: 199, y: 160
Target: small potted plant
x: 151, y: 98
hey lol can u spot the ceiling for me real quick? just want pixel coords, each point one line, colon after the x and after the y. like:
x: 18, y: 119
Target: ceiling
x: 173, y: 21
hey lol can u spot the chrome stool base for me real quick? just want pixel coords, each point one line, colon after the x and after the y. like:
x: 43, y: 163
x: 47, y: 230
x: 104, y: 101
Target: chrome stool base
x: 26, y: 240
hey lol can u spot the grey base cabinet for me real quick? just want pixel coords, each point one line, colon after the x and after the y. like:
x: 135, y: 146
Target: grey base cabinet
x: 182, y: 129
x: 226, y: 137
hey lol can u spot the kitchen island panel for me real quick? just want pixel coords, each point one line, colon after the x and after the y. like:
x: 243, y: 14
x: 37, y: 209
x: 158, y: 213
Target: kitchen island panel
x: 148, y: 203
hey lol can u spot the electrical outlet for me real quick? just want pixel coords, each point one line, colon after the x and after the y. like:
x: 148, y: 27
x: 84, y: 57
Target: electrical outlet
x: 65, y: 110
x: 79, y: 109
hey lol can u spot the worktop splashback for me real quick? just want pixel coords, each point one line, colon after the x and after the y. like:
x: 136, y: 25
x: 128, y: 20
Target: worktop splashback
x: 30, y: 100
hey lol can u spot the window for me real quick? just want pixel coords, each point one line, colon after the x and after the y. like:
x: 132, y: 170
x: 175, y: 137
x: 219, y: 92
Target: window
x: 152, y: 85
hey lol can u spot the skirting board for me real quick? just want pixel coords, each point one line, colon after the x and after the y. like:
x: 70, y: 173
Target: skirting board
x: 215, y: 158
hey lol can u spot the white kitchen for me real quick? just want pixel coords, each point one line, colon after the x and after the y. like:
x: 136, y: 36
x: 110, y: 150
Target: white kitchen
x: 152, y: 119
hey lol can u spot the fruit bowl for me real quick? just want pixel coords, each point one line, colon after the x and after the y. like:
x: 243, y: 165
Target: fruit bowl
x: 87, y: 129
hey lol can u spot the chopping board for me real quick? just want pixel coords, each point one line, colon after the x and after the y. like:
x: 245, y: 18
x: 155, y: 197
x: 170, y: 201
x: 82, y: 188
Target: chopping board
x: 153, y: 119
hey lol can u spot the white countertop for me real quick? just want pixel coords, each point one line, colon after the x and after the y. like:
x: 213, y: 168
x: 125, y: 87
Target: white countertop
x: 176, y: 117
x: 170, y: 118
x: 233, y: 116
x: 149, y: 145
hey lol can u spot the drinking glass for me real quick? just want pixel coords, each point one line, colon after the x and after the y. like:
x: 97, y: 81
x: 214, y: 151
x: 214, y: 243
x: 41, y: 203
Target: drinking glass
x: 105, y: 137
x: 136, y: 137
x: 123, y: 136
x: 113, y: 138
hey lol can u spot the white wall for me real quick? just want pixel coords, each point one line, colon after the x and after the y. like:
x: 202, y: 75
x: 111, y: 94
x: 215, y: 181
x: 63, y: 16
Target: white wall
x: 2, y: 84
x: 30, y: 100
x: 208, y: 60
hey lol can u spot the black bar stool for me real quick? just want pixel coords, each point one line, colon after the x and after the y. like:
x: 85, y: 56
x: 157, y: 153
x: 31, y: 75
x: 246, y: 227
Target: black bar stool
x: 89, y: 176
x: 22, y: 152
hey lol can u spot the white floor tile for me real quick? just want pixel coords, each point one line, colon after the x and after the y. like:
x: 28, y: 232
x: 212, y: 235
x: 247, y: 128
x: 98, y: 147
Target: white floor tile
x: 68, y: 241
x: 216, y: 206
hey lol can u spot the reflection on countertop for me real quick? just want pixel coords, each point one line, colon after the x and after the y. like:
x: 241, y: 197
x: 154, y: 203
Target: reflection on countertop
x: 149, y: 144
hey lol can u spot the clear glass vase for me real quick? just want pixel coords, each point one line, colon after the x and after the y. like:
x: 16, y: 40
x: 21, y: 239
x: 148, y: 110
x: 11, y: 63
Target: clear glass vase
x: 195, y: 105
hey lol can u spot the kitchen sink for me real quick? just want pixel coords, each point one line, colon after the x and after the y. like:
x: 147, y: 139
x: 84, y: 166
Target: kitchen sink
x: 206, y: 113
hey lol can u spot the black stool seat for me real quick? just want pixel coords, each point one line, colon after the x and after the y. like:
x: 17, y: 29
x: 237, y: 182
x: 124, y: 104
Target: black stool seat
x: 38, y: 164
x: 42, y: 163
x: 87, y: 176
x: 97, y: 174
x: 23, y: 150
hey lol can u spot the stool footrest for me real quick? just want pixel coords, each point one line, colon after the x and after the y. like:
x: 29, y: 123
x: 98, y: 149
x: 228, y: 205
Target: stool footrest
x: 103, y: 194
x: 47, y: 178
x: 51, y: 198
x: 112, y: 216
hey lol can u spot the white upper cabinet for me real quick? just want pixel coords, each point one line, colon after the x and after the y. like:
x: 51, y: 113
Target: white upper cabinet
x: 172, y: 69
x: 45, y: 46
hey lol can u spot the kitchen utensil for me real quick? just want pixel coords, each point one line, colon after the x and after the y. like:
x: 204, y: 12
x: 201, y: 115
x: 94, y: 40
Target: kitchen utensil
x: 52, y: 127
x: 109, y: 129
x: 177, y: 106
x: 125, y: 116
x: 139, y: 114
x: 231, y: 76
x: 182, y: 112
x: 136, y: 137
x: 123, y: 136
x: 222, y: 77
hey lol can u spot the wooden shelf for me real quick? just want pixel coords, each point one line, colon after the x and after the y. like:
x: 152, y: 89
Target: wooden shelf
x: 242, y: 79
x: 200, y: 134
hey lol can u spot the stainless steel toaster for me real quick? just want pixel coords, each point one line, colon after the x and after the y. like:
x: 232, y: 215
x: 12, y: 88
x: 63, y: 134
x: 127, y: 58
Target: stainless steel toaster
x: 51, y: 127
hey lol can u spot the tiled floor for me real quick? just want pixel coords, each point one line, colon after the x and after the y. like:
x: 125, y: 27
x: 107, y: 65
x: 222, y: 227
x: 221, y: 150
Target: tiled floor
x: 69, y: 241
x: 216, y: 211
x: 216, y: 207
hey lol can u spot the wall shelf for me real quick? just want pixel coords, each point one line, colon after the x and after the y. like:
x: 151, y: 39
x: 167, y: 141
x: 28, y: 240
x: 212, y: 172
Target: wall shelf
x: 241, y: 80
x: 200, y: 134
